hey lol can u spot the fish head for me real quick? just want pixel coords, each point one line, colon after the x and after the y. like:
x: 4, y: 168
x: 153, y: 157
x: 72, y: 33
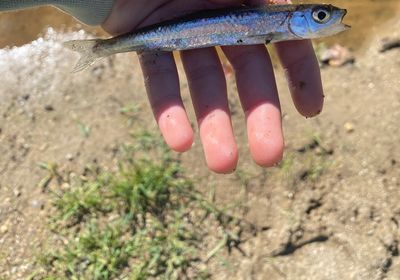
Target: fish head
x: 315, y: 21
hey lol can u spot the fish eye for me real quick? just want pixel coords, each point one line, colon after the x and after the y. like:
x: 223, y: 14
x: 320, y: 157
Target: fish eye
x: 321, y: 15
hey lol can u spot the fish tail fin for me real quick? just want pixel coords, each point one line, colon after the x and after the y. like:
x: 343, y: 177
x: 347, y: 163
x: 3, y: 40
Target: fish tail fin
x: 88, y: 51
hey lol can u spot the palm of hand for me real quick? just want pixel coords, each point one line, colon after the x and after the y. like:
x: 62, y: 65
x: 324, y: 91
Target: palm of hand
x: 254, y: 77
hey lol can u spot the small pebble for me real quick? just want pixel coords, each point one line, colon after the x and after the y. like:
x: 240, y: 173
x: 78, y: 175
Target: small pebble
x: 349, y: 127
x: 65, y: 186
x: 17, y: 193
x: 3, y: 229
x: 38, y: 204
x: 43, y: 147
x: 69, y: 157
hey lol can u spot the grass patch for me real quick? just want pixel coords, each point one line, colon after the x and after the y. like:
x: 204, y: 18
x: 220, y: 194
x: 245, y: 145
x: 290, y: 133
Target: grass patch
x: 144, y: 221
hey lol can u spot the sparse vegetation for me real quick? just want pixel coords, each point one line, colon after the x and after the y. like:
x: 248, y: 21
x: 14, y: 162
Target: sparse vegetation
x: 144, y: 221
x: 84, y: 129
x: 52, y: 173
x: 306, y: 163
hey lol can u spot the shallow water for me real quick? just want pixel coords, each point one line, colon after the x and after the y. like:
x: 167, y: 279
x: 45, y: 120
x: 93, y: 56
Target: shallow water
x: 365, y: 16
x: 32, y: 62
x: 21, y: 27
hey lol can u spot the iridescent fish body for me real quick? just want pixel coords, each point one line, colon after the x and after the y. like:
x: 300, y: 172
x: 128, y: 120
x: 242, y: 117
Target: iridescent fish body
x: 236, y: 26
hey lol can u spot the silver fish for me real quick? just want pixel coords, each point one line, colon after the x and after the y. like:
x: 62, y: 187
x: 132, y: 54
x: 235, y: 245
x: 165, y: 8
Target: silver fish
x: 235, y: 26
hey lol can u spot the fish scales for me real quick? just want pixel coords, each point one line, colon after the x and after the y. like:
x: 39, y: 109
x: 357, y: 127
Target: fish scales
x: 222, y: 27
x: 248, y: 27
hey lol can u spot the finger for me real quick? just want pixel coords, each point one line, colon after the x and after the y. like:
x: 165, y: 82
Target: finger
x: 228, y: 2
x: 208, y: 90
x: 258, y: 95
x: 303, y: 75
x: 126, y: 16
x: 260, y: 2
x: 162, y: 85
x: 302, y: 72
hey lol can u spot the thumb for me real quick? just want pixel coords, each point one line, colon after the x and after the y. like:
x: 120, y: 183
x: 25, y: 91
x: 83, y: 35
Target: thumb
x: 227, y: 2
x: 259, y: 2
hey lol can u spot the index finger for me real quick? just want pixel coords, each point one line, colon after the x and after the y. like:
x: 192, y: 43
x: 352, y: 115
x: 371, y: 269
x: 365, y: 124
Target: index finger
x: 303, y: 75
x: 302, y: 71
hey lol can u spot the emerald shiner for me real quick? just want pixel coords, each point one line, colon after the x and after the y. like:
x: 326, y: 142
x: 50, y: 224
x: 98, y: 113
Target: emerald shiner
x: 235, y: 26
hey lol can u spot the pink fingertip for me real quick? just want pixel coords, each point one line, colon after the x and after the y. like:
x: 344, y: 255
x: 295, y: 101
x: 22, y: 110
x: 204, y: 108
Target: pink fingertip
x: 265, y: 136
x: 176, y: 129
x: 222, y: 159
x: 219, y: 145
x: 268, y: 154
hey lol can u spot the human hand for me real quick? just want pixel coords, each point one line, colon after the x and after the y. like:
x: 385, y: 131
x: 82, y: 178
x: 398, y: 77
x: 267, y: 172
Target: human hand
x: 254, y: 76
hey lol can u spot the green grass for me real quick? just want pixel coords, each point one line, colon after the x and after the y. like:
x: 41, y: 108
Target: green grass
x: 144, y: 221
x: 132, y: 112
x: 84, y: 129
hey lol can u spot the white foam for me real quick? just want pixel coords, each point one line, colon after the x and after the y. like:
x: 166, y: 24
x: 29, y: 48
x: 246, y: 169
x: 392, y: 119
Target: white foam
x: 37, y: 67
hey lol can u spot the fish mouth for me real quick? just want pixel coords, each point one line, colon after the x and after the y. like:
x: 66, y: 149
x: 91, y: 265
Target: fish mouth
x: 345, y: 26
